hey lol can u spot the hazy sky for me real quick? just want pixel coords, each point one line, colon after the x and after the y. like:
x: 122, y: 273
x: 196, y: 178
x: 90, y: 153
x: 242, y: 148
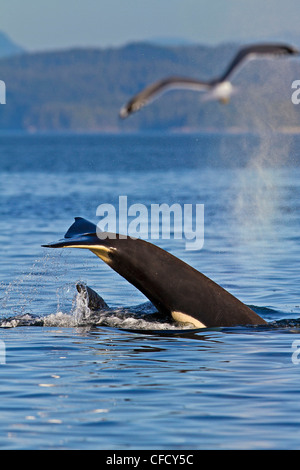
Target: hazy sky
x: 41, y: 24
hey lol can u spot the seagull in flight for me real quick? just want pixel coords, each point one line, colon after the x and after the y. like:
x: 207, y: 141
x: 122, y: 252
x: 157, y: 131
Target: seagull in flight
x: 220, y: 89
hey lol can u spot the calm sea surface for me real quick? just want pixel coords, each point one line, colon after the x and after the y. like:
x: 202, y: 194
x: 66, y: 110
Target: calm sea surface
x: 68, y: 387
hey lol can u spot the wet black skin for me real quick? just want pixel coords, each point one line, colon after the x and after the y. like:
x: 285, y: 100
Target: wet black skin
x: 169, y: 283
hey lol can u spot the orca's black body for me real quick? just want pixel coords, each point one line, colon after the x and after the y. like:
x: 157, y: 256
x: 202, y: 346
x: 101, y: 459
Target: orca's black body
x: 174, y: 287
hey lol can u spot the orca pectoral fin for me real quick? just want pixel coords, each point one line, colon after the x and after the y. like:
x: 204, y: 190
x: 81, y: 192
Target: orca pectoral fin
x: 81, y: 234
x: 81, y: 226
x: 173, y: 287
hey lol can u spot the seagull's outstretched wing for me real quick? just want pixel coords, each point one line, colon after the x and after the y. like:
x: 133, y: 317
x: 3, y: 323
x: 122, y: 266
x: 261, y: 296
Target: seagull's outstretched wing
x: 153, y: 91
x: 255, y: 50
x: 156, y: 89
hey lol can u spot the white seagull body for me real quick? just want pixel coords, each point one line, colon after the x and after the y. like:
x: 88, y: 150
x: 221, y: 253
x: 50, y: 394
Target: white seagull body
x: 220, y: 89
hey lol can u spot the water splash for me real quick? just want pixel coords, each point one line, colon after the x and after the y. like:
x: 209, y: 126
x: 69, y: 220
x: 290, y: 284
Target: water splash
x: 142, y: 317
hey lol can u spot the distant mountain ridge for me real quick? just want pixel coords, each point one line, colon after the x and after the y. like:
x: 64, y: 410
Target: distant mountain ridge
x: 8, y: 47
x: 83, y: 89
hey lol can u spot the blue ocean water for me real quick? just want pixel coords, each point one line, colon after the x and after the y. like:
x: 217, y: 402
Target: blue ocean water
x: 65, y: 386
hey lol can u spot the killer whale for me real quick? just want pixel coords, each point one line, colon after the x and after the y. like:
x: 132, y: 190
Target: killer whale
x: 174, y: 288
